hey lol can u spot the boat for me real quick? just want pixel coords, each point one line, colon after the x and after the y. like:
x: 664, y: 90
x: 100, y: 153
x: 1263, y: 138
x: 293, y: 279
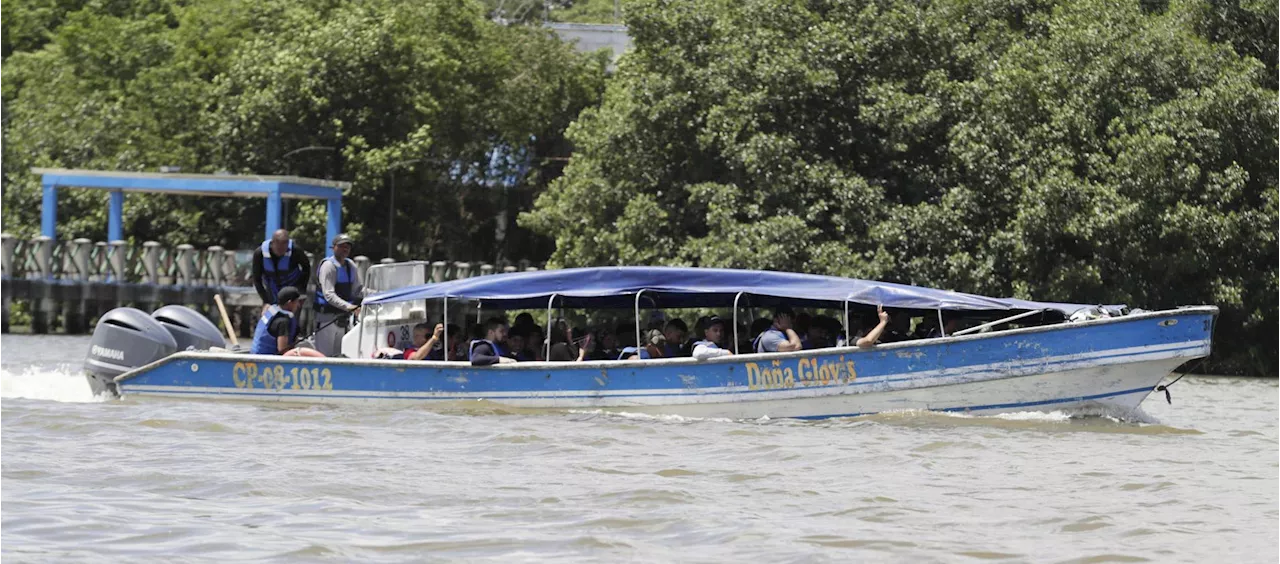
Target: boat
x: 1020, y: 356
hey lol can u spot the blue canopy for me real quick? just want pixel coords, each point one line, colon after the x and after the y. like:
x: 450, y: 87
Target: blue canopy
x: 617, y: 286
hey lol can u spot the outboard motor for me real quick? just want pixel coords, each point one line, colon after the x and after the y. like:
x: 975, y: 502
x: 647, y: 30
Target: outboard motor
x: 190, y: 330
x: 124, y: 339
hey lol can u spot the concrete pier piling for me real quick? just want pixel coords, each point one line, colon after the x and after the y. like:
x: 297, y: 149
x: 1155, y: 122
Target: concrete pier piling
x: 68, y: 284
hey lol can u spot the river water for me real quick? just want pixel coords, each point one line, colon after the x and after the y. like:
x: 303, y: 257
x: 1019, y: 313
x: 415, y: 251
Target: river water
x: 86, y: 479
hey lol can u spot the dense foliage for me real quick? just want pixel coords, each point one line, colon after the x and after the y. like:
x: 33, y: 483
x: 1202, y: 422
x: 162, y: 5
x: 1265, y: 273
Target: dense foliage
x: 465, y: 116
x: 1090, y: 151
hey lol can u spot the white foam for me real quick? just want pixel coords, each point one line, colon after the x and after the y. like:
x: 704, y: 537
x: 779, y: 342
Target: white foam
x: 65, y: 383
x: 665, y: 418
x: 1033, y: 416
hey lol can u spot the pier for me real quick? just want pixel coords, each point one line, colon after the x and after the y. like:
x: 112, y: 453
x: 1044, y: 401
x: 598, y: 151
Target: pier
x: 67, y: 285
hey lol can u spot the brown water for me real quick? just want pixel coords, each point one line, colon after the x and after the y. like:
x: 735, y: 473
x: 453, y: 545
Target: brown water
x: 92, y: 480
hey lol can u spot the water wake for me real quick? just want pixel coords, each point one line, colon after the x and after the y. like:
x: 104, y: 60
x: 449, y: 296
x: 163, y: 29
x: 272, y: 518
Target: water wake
x: 54, y: 382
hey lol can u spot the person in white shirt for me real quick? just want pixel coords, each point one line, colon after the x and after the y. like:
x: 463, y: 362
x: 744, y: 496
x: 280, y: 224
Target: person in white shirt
x: 712, y: 335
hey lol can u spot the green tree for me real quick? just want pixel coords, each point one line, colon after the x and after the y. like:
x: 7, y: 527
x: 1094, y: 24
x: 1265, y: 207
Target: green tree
x: 468, y: 114
x: 1083, y: 151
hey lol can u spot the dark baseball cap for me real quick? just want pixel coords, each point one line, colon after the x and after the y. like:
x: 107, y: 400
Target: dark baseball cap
x: 341, y: 239
x: 287, y: 294
x: 715, y: 320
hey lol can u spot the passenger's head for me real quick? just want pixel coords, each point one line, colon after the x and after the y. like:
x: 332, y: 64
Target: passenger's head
x: 421, y: 332
x: 280, y: 242
x: 783, y: 318
x: 495, y: 329
x: 341, y: 247
x: 289, y: 299
x: 675, y: 331
x: 899, y: 320
x: 626, y: 334
x: 713, y: 330
x: 455, y: 335
x: 515, y: 339
x: 657, y: 320
x: 606, y: 337
x: 523, y: 320
x: 760, y: 325
x: 534, y: 339
x: 654, y: 337
x: 817, y: 332
x: 950, y: 321
x: 802, y: 322
x: 560, y: 332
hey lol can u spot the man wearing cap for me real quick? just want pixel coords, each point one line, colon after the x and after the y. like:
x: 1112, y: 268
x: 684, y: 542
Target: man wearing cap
x: 712, y: 335
x: 276, y: 264
x: 277, y: 330
x: 779, y: 337
x: 337, y: 297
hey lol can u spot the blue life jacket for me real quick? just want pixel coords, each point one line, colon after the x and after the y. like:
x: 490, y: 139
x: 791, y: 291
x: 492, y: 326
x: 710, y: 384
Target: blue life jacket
x: 277, y: 274
x: 472, y: 349
x: 343, y: 286
x: 628, y: 351
x: 758, y: 343
x: 263, y: 341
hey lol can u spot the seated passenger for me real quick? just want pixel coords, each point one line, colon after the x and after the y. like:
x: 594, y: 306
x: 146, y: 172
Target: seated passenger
x: 608, y: 348
x: 779, y: 337
x: 712, y: 336
x: 673, y: 334
x: 816, y: 336
x: 655, y: 343
x: 869, y: 336
x: 517, y: 345
x: 432, y: 348
x: 457, y: 346
x: 563, y: 348
x: 535, y: 344
x: 800, y: 324
x: 277, y: 330
x: 928, y: 329
x: 487, y: 351
x: 422, y: 333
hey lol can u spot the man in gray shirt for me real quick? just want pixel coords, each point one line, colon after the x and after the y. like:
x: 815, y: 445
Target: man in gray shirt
x: 337, y: 299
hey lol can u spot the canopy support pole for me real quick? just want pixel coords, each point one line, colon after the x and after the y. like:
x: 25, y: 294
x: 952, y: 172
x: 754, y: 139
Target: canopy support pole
x: 735, y: 322
x: 547, y: 341
x: 445, y: 307
x: 479, y: 308
x: 848, y: 329
x: 638, y: 318
x: 942, y: 329
x: 997, y: 322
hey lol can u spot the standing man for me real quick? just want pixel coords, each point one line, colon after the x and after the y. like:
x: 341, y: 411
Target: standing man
x: 337, y: 297
x: 277, y: 264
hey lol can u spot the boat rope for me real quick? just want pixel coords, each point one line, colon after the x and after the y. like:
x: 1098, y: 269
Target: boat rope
x: 1165, y: 387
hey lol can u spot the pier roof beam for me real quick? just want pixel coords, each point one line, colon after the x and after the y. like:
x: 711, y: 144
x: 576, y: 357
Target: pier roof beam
x: 274, y: 188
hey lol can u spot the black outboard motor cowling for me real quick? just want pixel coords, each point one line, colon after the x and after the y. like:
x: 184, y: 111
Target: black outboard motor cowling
x: 124, y: 339
x: 190, y: 330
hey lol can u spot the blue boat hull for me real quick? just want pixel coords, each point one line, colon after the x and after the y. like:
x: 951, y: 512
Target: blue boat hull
x: 1110, y: 364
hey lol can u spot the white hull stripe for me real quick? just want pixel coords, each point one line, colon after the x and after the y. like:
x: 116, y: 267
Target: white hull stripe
x: 1145, y: 390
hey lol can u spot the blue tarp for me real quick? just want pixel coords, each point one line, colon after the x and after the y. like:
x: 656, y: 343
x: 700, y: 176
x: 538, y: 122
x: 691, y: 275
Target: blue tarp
x: 689, y: 287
